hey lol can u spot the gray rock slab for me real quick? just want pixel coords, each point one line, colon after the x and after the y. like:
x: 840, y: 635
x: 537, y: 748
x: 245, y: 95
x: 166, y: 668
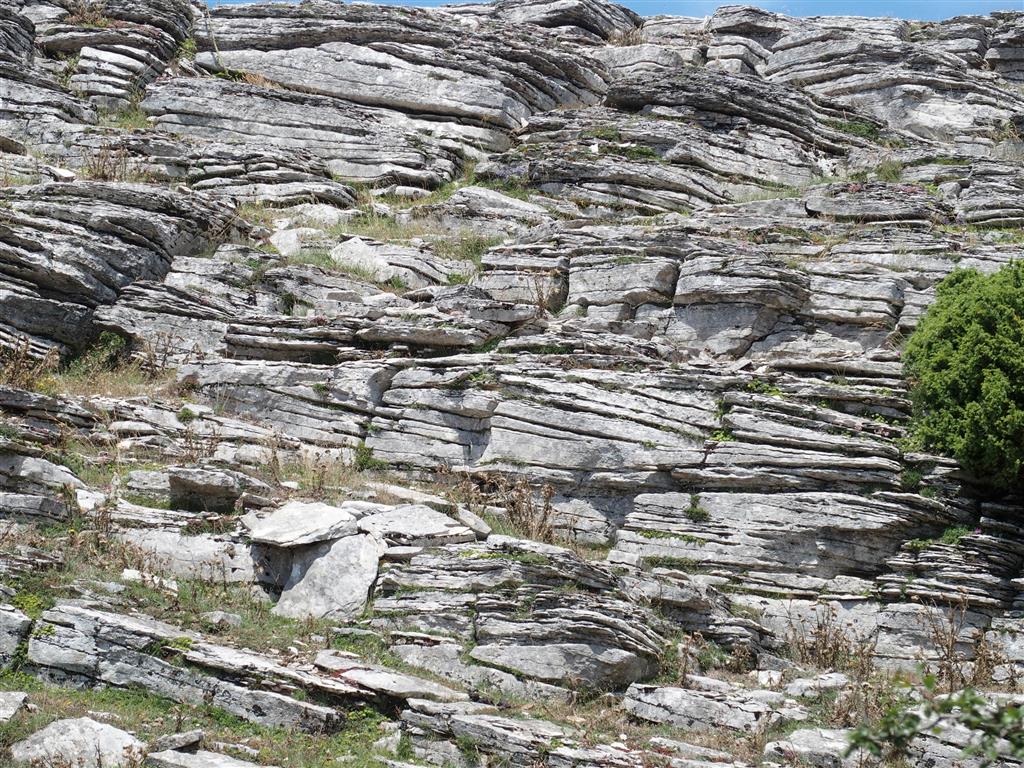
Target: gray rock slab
x: 79, y: 742
x: 331, y: 580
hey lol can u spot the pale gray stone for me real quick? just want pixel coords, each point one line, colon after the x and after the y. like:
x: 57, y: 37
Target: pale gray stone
x: 416, y: 525
x: 331, y: 580
x: 11, y: 702
x: 298, y: 523
x: 81, y: 741
x: 198, y: 759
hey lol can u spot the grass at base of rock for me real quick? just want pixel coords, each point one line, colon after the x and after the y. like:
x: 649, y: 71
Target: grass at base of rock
x: 459, y: 245
x: 149, y: 716
x: 90, y: 555
x: 105, y: 369
x: 321, y: 257
x: 382, y: 227
x: 129, y: 380
x: 466, y: 247
x: 131, y: 118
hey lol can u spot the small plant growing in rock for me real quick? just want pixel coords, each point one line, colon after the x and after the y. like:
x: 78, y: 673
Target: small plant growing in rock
x: 918, y: 545
x: 465, y: 247
x: 130, y: 117
x: 695, y: 511
x: 953, y: 535
x: 859, y: 128
x: 910, y: 480
x: 684, y: 564
x: 107, y: 164
x: 84, y: 13
x: 70, y: 65
x: 762, y: 387
x: 186, y: 415
x: 364, y: 460
x: 889, y: 170
x: 32, y: 604
x: 187, y: 50
x: 605, y: 132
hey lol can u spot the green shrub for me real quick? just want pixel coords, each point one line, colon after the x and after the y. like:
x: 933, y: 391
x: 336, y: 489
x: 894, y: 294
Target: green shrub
x: 965, y: 363
x: 856, y: 128
x: 364, y: 460
x: 953, y: 534
x: 996, y: 727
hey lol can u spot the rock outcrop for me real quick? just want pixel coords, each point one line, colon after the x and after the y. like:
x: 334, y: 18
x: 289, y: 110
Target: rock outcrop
x: 512, y: 383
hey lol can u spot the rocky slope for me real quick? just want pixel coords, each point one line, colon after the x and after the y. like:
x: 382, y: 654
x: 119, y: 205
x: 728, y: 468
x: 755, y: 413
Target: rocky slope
x: 496, y: 384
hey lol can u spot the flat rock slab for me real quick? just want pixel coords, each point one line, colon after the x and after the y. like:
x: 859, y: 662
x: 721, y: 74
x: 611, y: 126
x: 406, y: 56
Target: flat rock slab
x: 737, y: 710
x: 809, y: 687
x: 177, y: 741
x: 383, y: 681
x: 558, y: 663
x: 300, y: 522
x: 210, y: 490
x: 814, y: 746
x: 416, y: 525
x: 331, y: 580
x: 11, y: 703
x: 200, y: 759
x: 83, y: 743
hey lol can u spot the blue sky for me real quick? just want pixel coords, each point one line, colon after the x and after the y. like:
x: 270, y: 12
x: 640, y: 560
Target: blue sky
x: 905, y: 9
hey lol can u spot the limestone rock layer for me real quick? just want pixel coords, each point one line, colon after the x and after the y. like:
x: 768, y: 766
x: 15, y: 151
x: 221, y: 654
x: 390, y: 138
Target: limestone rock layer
x: 513, y: 383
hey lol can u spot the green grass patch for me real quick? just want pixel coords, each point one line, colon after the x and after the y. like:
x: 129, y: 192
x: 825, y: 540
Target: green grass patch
x: 130, y: 118
x: 149, y: 716
x: 859, y: 128
x: 685, y: 564
x: 953, y: 534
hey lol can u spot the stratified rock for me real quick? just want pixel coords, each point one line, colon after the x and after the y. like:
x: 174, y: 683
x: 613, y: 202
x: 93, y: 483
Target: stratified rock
x: 735, y: 710
x: 822, y: 747
x: 91, y: 647
x: 14, y: 628
x: 637, y: 286
x: 115, y: 56
x: 458, y: 71
x: 384, y: 682
x: 414, y: 525
x: 377, y: 145
x: 72, y: 247
x: 867, y: 64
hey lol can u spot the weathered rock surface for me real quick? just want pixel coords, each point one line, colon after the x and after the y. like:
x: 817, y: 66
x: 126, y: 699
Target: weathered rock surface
x: 11, y: 703
x: 69, y: 248
x: 711, y: 710
x: 199, y: 759
x: 331, y: 580
x: 298, y: 523
x: 81, y: 741
x: 415, y: 286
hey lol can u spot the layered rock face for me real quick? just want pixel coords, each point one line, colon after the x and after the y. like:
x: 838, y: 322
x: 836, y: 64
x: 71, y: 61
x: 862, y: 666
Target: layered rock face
x: 505, y: 354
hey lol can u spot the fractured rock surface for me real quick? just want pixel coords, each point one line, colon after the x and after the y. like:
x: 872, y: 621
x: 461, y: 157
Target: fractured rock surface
x: 490, y: 372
